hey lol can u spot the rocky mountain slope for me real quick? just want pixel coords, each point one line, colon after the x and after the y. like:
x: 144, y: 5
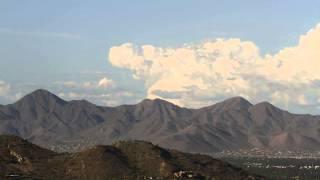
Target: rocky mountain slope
x: 47, y: 120
x: 20, y: 159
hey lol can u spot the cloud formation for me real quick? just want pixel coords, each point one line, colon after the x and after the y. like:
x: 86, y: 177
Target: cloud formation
x: 101, y: 84
x: 106, y: 83
x: 63, y: 35
x: 4, y: 88
x: 103, y: 91
x: 102, y: 98
x: 200, y: 74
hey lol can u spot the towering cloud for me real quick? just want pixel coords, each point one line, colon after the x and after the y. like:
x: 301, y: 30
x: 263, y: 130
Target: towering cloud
x: 199, y: 74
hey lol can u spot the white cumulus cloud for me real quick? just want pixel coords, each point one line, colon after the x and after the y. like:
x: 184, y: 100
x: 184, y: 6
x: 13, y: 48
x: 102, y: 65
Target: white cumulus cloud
x: 199, y: 74
x: 4, y: 88
x: 106, y: 83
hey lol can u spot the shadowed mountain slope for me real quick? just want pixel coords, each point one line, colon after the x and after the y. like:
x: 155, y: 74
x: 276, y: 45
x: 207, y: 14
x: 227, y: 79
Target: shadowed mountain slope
x: 233, y: 124
x: 20, y: 159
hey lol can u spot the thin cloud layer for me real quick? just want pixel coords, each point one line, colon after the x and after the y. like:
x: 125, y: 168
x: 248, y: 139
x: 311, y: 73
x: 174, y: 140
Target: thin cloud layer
x: 63, y: 35
x: 200, y: 74
x: 106, y: 99
x: 103, y: 83
x: 103, y: 91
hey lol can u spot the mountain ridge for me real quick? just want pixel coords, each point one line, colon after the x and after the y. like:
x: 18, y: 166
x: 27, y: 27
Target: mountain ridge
x: 232, y: 124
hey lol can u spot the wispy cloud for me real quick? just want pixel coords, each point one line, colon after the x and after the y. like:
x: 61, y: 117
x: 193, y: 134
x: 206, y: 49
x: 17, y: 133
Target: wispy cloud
x: 64, y: 35
x: 103, y: 83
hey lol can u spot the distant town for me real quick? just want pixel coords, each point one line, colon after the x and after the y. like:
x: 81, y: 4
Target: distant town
x: 263, y: 153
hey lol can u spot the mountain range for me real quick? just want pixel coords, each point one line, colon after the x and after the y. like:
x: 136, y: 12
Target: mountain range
x: 49, y: 121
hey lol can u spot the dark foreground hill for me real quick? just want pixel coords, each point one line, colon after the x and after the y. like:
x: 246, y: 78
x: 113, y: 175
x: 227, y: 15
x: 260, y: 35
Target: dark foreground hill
x: 20, y: 159
x: 47, y: 120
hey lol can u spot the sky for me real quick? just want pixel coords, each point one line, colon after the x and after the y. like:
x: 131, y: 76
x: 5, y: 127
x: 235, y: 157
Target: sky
x: 191, y: 53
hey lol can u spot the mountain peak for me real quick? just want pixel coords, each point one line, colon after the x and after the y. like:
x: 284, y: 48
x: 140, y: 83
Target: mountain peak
x: 264, y: 103
x: 156, y: 101
x: 237, y: 99
x: 42, y: 92
x: 266, y: 106
x: 237, y: 102
x: 41, y: 96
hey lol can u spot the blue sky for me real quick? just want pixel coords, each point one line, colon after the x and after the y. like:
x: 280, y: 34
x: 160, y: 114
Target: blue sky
x: 44, y: 44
